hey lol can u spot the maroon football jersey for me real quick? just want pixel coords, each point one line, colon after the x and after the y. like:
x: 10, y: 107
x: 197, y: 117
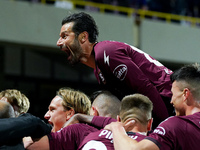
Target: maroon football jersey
x: 101, y: 122
x: 103, y: 140
x: 124, y: 70
x: 70, y: 137
x: 178, y: 133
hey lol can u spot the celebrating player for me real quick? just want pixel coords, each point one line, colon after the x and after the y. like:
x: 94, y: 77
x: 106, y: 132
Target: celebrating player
x: 120, y: 68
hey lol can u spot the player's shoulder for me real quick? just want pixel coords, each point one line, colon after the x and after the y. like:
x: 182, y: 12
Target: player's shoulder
x: 83, y: 127
x: 175, y: 122
x: 108, y: 46
x: 171, y: 119
x: 109, y: 50
x: 179, y: 119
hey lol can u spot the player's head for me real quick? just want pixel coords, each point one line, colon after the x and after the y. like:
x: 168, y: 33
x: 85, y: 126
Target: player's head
x: 136, y: 107
x: 83, y: 22
x: 104, y: 104
x: 18, y: 100
x: 185, y: 87
x: 74, y: 99
x: 78, y: 32
x: 6, y: 110
x: 64, y: 105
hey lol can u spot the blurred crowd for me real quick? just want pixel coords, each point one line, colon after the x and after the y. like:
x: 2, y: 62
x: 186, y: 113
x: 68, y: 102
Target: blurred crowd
x: 180, y: 7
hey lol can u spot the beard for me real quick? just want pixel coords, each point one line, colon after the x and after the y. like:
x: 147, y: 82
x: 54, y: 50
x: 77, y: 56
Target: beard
x: 74, y: 52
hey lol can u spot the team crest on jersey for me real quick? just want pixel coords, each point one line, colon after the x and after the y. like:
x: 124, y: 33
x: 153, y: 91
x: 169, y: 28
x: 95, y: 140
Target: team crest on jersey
x: 159, y: 130
x: 120, y: 71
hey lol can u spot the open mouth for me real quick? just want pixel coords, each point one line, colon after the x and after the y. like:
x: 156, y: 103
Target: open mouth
x: 50, y: 123
x: 66, y: 50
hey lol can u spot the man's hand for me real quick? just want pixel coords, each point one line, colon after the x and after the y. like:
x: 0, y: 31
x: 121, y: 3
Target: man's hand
x: 128, y: 125
x: 116, y: 125
x: 79, y: 118
x: 27, y: 141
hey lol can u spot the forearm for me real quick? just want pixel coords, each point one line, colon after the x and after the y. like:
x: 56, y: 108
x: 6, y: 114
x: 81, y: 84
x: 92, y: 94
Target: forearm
x: 79, y: 118
x: 85, y: 118
x: 25, y: 125
x: 96, y: 121
x: 100, y: 122
x: 40, y: 144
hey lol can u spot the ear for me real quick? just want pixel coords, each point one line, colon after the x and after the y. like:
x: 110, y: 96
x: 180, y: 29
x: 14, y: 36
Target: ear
x: 118, y: 118
x: 188, y: 97
x: 94, y: 111
x: 149, y: 125
x: 70, y: 113
x: 186, y: 93
x: 83, y: 37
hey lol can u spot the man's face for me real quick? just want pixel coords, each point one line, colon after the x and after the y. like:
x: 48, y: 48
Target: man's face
x: 69, y: 43
x: 56, y: 115
x: 177, y: 99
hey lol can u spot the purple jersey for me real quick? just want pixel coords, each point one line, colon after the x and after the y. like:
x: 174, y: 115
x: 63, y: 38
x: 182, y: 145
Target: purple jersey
x: 178, y: 132
x: 129, y: 70
x: 103, y: 140
x: 70, y: 137
x: 101, y: 122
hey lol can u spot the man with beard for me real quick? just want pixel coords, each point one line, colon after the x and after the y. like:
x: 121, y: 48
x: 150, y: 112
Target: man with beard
x: 120, y: 68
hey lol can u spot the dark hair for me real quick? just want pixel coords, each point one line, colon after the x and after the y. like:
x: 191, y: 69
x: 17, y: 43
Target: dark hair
x: 94, y: 95
x: 189, y: 76
x: 107, y: 103
x: 187, y: 72
x: 83, y: 22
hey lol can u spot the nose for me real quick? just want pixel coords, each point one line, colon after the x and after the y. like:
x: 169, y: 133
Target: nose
x: 171, y: 102
x: 47, y: 115
x: 59, y: 42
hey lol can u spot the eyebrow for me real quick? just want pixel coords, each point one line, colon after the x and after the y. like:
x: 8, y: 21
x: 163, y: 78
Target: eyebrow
x: 64, y: 32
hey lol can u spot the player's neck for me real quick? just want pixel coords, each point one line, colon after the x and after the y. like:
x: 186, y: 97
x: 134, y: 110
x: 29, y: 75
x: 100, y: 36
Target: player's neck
x: 90, y: 62
x: 139, y: 129
x: 88, y: 58
x: 192, y: 110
